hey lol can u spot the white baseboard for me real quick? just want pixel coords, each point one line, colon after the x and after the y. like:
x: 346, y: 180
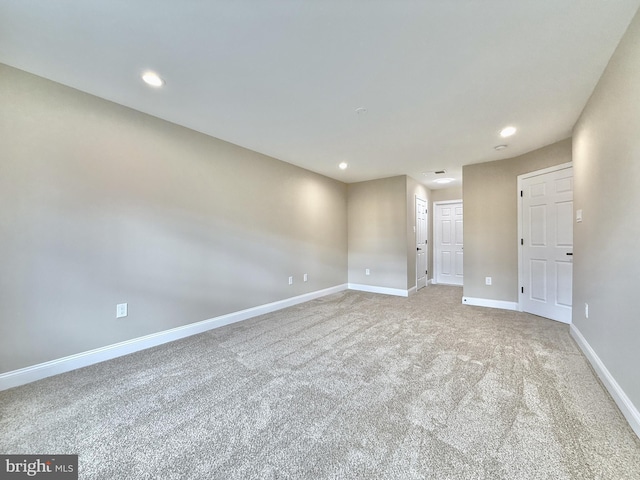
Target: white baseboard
x: 487, y: 302
x: 412, y: 291
x: 22, y: 376
x: 624, y: 403
x: 398, y: 292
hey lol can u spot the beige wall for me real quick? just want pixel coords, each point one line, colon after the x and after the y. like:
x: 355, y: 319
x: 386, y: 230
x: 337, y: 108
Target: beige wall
x: 381, y: 222
x: 444, y: 194
x: 606, y: 155
x: 100, y: 204
x: 491, y: 220
x: 377, y: 232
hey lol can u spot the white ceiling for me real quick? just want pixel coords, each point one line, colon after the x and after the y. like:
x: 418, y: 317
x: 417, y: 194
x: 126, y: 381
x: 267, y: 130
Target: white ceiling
x: 439, y: 78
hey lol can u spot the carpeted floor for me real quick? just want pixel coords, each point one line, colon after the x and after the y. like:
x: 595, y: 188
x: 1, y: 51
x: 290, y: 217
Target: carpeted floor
x: 353, y: 385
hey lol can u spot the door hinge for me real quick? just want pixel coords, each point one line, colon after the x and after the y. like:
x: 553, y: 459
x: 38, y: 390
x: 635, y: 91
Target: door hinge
x: 522, y: 241
x: 521, y: 289
x: 521, y: 193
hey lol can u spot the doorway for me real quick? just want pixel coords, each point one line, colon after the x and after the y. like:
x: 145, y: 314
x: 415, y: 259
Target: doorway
x: 545, y: 225
x: 421, y: 243
x: 448, y: 242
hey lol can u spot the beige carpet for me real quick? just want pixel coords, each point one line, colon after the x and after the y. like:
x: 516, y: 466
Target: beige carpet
x: 353, y: 385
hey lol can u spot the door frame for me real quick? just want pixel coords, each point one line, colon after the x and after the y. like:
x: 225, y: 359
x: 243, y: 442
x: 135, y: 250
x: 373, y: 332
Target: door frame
x: 555, y: 168
x: 436, y: 231
x: 426, y: 233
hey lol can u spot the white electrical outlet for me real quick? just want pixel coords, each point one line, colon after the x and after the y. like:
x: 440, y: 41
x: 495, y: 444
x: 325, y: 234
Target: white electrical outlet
x: 290, y: 280
x: 586, y: 310
x: 367, y: 271
x: 487, y: 280
x: 121, y: 310
x: 305, y: 277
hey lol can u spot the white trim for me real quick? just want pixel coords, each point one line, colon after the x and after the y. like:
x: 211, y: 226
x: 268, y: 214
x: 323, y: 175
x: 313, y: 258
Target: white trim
x: 373, y: 289
x: 61, y: 365
x: 487, y: 302
x: 412, y: 291
x: 521, y: 178
x: 436, y: 234
x: 566, y: 322
x: 625, y: 404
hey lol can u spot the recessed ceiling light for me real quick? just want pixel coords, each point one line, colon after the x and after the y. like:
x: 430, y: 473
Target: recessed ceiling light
x: 444, y: 180
x: 343, y: 165
x: 153, y: 79
x: 500, y: 147
x: 507, y: 131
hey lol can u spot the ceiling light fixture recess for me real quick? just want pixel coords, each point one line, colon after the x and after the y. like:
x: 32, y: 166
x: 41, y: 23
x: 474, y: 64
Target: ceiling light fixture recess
x: 153, y: 79
x: 507, y: 131
x: 343, y: 165
x: 444, y: 180
x: 500, y: 147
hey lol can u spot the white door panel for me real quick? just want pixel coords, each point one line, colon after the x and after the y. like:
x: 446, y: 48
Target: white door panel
x: 458, y: 265
x: 564, y: 272
x: 446, y: 229
x: 445, y: 264
x: 547, y: 244
x: 448, y: 235
x: 564, y: 227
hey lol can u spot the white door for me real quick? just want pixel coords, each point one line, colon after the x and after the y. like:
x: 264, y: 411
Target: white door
x: 448, y: 243
x: 421, y: 243
x: 546, y: 244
